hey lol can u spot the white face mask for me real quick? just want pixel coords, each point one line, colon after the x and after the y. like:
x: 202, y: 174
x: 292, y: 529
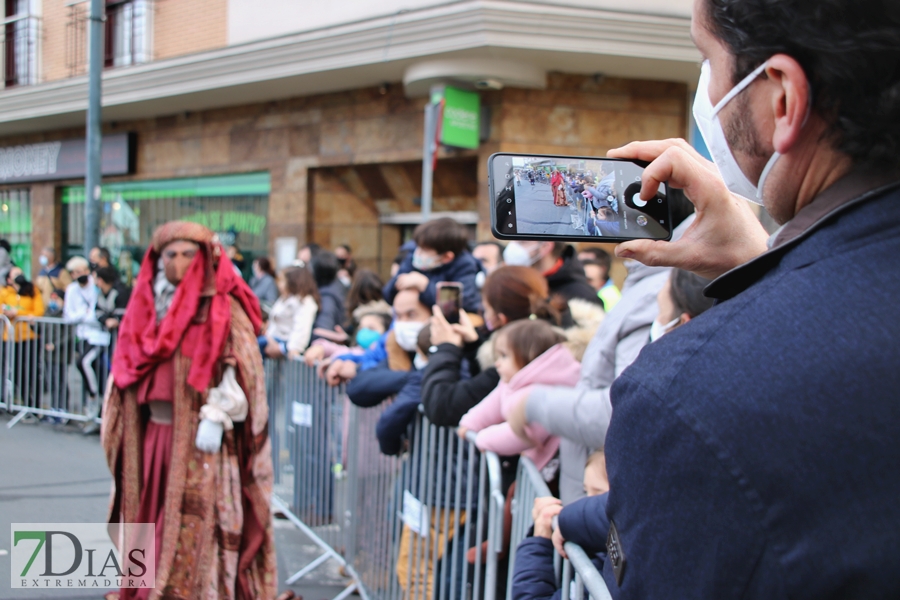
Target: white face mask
x: 658, y: 330
x: 420, y: 362
x: 518, y: 255
x: 407, y: 334
x: 707, y: 117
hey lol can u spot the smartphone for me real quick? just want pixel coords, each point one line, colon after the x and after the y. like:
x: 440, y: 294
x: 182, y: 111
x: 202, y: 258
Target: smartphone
x: 449, y: 299
x: 574, y: 198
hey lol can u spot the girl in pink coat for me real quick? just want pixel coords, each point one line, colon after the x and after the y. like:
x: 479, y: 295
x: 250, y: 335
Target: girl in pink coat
x: 529, y: 352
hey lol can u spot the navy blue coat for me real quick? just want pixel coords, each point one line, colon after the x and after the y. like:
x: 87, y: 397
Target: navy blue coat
x: 393, y: 425
x: 462, y: 269
x: 755, y: 451
x: 582, y: 522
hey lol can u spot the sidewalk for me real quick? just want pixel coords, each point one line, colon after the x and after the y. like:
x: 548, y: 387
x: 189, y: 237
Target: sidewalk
x: 54, y: 474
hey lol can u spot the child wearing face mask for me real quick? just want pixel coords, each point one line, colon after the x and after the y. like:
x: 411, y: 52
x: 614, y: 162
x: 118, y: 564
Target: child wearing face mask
x: 441, y: 254
x: 680, y: 300
x: 529, y: 352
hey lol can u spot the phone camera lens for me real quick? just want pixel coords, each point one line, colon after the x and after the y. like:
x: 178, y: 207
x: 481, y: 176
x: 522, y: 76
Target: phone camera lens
x: 509, y: 200
x: 509, y: 225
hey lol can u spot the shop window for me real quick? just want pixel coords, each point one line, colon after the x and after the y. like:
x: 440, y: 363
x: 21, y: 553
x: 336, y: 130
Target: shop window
x: 234, y: 206
x: 15, y: 225
x: 21, y: 33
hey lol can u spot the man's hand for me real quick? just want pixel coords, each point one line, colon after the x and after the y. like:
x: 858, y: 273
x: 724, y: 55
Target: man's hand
x: 340, y: 371
x: 465, y: 328
x: 412, y: 281
x: 112, y: 323
x: 443, y: 332
x: 313, y: 355
x: 518, y: 419
x: 461, y: 432
x: 725, y: 233
x: 543, y: 512
x: 558, y: 543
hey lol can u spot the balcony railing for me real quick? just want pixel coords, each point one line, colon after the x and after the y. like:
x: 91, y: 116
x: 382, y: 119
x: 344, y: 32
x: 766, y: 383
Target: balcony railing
x: 20, y: 47
x: 126, y: 32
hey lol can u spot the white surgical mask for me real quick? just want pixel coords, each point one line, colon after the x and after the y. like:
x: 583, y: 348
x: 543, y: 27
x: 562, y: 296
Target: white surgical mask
x: 420, y: 362
x: 407, y: 334
x: 44, y: 261
x: 657, y: 330
x: 518, y: 255
x: 707, y: 117
x: 345, y: 281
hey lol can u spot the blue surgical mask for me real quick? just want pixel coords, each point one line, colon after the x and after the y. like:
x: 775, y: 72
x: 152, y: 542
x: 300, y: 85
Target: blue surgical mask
x: 366, y: 337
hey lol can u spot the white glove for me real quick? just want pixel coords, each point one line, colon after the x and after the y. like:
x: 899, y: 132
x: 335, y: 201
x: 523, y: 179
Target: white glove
x: 209, y: 436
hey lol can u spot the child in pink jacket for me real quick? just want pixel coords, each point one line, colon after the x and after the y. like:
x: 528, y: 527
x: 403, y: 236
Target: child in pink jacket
x: 529, y: 352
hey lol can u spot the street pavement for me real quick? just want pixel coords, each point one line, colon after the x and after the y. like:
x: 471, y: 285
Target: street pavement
x: 53, y: 473
x: 537, y: 215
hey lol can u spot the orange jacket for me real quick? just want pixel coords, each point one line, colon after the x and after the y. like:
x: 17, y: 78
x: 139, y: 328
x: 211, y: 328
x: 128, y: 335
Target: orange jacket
x: 24, y: 307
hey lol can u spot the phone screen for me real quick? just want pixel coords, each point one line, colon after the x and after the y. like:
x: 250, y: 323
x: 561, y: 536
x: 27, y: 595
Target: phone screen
x: 449, y: 297
x: 574, y: 198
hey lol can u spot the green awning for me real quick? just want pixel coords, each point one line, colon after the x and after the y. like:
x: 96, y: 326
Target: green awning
x: 249, y: 184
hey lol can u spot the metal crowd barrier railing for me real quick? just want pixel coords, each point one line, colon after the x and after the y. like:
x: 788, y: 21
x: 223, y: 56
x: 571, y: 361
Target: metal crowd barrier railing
x: 51, y: 367
x: 530, y: 485
x: 402, y: 527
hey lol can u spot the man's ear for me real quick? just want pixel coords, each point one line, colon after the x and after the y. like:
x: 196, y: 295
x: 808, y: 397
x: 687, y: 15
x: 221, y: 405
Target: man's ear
x: 790, y: 100
x: 684, y: 318
x: 448, y: 257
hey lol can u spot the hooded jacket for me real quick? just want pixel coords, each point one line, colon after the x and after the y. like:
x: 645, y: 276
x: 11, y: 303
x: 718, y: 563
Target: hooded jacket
x: 569, y: 281
x: 580, y: 415
x: 462, y: 269
x: 556, y: 366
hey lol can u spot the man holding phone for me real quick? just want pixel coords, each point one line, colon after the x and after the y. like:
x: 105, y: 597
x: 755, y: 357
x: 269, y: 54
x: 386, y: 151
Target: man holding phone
x: 753, y: 452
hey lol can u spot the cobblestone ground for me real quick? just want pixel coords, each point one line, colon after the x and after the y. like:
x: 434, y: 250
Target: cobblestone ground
x: 53, y: 473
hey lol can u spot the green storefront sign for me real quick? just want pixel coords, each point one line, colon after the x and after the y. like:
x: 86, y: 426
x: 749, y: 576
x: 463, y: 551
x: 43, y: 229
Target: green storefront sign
x: 460, y: 125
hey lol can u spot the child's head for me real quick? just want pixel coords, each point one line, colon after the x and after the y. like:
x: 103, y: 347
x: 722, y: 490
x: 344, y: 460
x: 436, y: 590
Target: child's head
x: 596, y: 481
x: 521, y: 342
x: 423, y: 345
x: 371, y: 326
x: 438, y: 242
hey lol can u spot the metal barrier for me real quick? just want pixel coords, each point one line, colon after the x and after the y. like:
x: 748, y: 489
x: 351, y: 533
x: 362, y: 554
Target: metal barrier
x: 56, y: 369
x: 6, y: 342
x: 530, y: 485
x: 401, y: 527
x: 306, y: 427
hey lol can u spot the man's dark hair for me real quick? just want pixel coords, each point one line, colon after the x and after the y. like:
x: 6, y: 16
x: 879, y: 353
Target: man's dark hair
x: 313, y: 247
x: 108, y: 274
x: 347, y: 248
x: 105, y: 255
x: 442, y: 235
x: 325, y: 266
x: 600, y: 264
x: 849, y: 52
x: 500, y: 247
x: 687, y: 293
x: 5, y: 245
x: 601, y: 257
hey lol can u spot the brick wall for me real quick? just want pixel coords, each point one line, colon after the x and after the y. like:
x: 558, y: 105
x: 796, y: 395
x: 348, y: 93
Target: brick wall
x: 54, y: 39
x: 188, y: 26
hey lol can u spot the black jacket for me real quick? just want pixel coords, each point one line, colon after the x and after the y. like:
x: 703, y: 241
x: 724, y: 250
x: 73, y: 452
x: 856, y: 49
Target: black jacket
x: 569, y: 281
x: 446, y: 396
x: 113, y: 304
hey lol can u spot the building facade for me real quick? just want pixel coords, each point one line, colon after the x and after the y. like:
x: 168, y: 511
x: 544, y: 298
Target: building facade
x: 283, y: 122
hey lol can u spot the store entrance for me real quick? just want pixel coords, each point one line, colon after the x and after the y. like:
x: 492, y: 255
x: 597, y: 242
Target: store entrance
x: 374, y: 208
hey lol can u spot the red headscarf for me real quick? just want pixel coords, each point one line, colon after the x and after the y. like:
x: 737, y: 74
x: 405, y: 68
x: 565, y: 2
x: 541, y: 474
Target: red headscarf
x: 198, y: 319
